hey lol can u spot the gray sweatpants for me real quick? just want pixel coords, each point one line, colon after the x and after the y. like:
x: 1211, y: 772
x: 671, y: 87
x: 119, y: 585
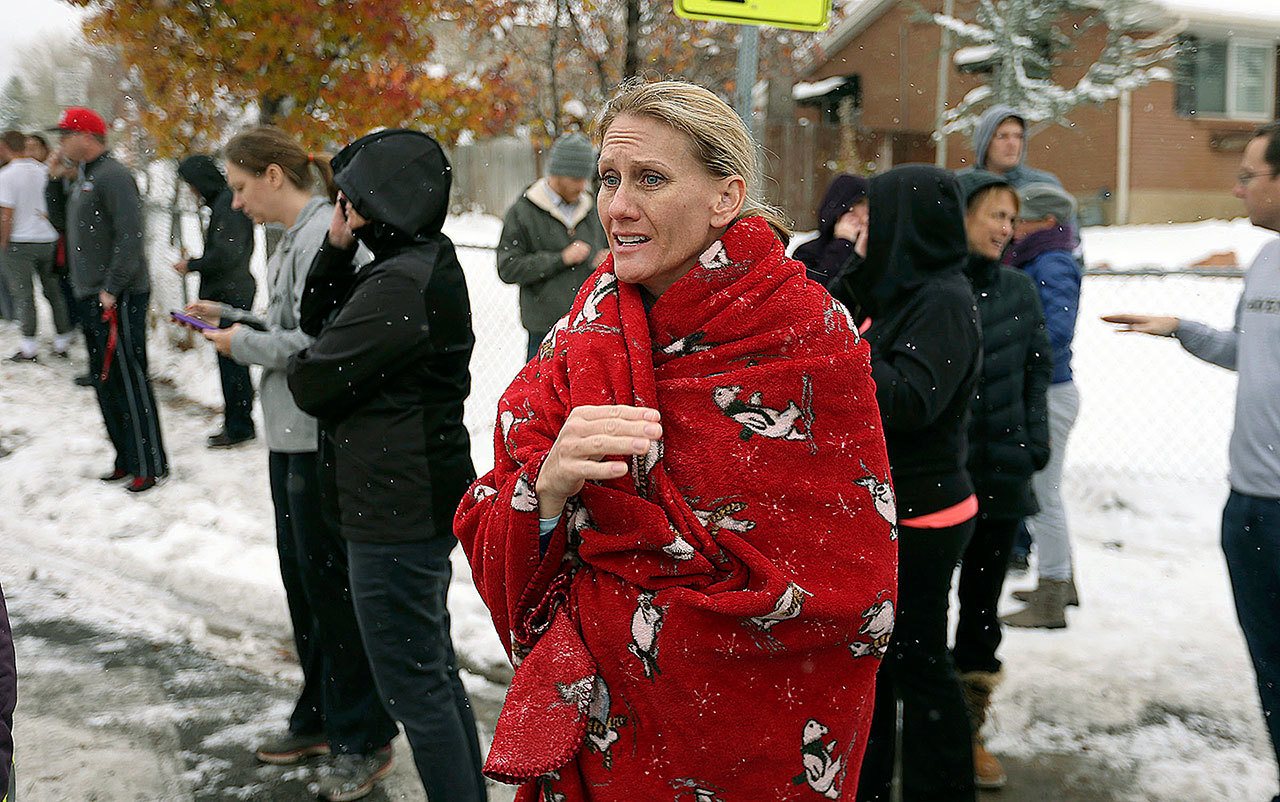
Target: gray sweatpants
x: 22, y: 263
x: 1048, y: 527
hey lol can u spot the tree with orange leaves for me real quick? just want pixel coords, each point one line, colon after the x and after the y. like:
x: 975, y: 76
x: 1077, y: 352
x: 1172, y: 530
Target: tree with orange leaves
x: 325, y: 70
x: 581, y: 49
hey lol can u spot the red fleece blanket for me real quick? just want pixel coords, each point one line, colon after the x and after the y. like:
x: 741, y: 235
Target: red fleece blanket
x: 709, y: 627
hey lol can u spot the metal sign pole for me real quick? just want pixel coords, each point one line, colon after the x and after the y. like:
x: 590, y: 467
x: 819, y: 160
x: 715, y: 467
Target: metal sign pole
x: 748, y: 64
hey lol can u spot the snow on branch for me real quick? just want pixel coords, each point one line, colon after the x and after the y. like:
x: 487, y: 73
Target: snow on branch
x: 1014, y: 42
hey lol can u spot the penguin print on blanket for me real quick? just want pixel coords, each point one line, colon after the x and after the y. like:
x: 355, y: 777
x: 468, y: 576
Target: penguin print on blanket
x: 602, y: 728
x: 606, y: 285
x: 715, y: 257
x: 686, y: 345
x: 838, y: 311
x: 519, y: 651
x: 550, y: 794
x: 642, y: 467
x: 579, y: 694
x: 646, y: 622
x: 876, y: 629
x: 788, y: 607
x: 523, y: 499
x: 548, y: 345
x: 679, y: 548
x: 508, y: 421
x: 690, y: 790
x: 758, y: 419
x: 881, y: 497
x: 722, y: 517
x: 823, y: 771
x: 482, y: 491
x: 579, y: 521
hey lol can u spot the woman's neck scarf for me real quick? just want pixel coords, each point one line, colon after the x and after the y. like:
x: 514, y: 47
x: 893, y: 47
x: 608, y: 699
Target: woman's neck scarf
x: 713, y: 621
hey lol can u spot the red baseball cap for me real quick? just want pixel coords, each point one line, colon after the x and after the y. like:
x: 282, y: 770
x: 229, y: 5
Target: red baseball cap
x: 78, y: 118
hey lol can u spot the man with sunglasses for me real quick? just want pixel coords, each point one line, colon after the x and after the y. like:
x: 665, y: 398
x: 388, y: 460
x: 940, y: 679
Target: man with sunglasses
x: 103, y: 214
x: 1251, y: 520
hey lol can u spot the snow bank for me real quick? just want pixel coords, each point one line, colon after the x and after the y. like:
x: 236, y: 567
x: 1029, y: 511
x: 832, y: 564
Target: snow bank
x: 1171, y: 246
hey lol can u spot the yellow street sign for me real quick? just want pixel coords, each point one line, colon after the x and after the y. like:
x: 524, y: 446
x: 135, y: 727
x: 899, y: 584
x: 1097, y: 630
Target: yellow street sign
x: 803, y: 15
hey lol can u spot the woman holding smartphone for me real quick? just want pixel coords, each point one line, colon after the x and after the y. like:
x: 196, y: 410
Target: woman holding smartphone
x: 339, y: 712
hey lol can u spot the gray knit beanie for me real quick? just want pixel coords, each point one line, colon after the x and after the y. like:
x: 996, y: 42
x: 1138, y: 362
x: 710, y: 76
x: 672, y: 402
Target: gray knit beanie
x: 1040, y: 200
x: 572, y: 156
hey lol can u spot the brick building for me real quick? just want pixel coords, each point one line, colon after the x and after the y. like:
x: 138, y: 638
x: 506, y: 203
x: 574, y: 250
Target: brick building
x: 1166, y: 153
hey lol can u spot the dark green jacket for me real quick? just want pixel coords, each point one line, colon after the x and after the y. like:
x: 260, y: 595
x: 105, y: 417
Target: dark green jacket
x: 533, y: 235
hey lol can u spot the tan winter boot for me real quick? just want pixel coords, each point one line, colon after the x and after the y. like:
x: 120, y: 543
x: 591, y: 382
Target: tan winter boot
x: 1046, y: 608
x: 978, y: 687
x: 988, y: 774
x: 1073, y: 597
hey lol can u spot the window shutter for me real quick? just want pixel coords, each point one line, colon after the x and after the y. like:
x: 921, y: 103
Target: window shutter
x: 1184, y: 72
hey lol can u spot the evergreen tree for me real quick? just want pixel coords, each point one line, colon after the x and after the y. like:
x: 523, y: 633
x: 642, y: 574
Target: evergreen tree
x: 1016, y: 41
x: 13, y: 105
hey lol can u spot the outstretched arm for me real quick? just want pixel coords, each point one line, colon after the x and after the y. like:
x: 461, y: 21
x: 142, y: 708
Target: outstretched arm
x: 1204, y: 342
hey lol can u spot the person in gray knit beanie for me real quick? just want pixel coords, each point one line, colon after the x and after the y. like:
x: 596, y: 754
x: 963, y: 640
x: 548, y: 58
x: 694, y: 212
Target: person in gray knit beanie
x: 572, y: 157
x: 552, y: 239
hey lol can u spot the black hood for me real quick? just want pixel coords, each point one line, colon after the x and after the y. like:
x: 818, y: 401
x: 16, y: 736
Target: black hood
x: 202, y: 173
x: 399, y: 180
x: 980, y: 270
x: 916, y: 235
x: 844, y: 191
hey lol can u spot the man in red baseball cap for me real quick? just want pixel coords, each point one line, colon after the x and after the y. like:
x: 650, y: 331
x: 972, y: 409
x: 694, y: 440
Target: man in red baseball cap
x: 81, y: 120
x: 102, y: 211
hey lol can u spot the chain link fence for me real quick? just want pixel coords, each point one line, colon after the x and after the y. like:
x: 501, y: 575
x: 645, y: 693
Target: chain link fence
x: 1148, y: 409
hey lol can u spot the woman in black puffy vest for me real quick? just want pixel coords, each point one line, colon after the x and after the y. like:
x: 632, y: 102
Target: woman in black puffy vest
x: 1008, y: 440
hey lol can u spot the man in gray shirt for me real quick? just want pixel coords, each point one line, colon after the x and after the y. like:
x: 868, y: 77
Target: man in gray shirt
x: 103, y: 214
x: 1251, y: 520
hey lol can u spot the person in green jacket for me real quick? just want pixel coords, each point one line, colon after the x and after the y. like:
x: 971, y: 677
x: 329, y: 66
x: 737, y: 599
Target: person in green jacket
x: 552, y: 238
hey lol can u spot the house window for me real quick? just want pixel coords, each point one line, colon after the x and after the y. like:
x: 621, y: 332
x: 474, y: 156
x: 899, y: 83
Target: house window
x: 1227, y: 78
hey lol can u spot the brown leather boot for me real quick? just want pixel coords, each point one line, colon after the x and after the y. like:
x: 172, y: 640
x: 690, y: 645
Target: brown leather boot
x: 987, y: 771
x: 1073, y: 597
x: 978, y: 687
x: 1045, y: 610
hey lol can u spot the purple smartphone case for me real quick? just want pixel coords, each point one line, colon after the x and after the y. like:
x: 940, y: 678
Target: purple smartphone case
x: 182, y: 317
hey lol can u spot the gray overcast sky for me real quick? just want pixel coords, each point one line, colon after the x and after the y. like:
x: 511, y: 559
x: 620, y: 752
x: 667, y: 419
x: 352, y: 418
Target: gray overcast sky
x: 22, y: 21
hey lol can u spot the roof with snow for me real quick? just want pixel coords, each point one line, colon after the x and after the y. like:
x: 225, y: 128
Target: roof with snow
x: 1250, y: 13
x: 1252, y: 17
x: 807, y: 91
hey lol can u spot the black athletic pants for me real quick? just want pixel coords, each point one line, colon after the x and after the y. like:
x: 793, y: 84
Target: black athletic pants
x: 982, y: 573
x: 937, y: 746
x: 128, y: 404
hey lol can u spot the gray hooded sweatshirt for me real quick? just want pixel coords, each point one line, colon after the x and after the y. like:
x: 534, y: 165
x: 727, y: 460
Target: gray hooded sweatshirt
x: 1019, y: 176
x: 271, y: 341
x: 1252, y: 349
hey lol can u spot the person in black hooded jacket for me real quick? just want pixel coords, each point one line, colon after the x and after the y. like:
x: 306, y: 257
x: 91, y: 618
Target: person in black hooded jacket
x: 224, y: 277
x: 925, y: 358
x: 841, y: 219
x: 1008, y: 441
x: 387, y: 376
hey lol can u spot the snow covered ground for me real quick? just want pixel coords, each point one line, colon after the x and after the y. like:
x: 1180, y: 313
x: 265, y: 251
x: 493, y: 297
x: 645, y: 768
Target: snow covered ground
x: 1151, y: 679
